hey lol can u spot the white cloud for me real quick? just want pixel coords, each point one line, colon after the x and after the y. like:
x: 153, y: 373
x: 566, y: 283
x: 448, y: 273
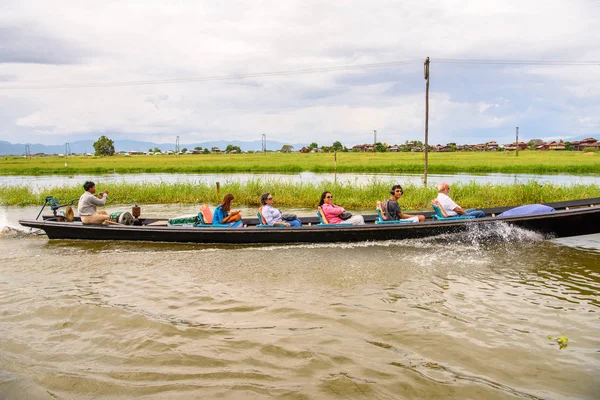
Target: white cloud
x: 590, y: 122
x: 130, y: 41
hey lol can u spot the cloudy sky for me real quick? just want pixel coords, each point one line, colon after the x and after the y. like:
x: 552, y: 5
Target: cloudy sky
x: 298, y: 71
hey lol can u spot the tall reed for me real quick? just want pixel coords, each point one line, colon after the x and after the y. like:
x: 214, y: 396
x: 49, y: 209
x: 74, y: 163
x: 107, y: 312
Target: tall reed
x: 291, y: 194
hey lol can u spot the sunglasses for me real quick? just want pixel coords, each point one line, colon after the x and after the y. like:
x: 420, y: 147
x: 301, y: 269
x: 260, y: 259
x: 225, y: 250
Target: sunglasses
x: 329, y: 197
x: 398, y: 191
x: 269, y: 198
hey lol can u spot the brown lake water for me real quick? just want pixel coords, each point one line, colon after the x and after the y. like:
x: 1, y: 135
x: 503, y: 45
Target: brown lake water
x: 450, y: 317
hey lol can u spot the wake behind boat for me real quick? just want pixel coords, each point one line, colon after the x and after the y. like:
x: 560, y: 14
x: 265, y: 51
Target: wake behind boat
x: 570, y: 218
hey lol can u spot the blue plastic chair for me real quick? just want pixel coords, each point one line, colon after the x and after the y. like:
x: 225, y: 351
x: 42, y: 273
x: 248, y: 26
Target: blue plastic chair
x: 439, y: 215
x: 323, y: 220
x: 262, y: 223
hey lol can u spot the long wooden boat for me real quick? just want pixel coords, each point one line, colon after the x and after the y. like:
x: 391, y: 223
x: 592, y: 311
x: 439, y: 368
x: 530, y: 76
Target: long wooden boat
x: 571, y: 218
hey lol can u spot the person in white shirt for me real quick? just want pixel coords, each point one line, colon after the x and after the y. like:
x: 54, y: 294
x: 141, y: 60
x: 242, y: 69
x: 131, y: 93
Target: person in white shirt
x: 87, y: 205
x: 273, y: 216
x: 450, y: 207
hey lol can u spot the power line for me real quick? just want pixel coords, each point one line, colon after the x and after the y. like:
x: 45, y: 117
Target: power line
x: 515, y: 62
x: 300, y: 72
x: 216, y: 78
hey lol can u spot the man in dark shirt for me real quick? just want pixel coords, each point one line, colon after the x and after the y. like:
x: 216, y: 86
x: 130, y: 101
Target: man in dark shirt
x: 393, y: 208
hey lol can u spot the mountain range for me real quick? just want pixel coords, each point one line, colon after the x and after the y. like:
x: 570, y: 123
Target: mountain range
x: 87, y: 146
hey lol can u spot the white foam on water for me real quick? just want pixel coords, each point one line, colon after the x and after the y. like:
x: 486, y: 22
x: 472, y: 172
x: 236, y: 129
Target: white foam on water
x: 9, y: 232
x: 474, y: 236
x: 495, y: 232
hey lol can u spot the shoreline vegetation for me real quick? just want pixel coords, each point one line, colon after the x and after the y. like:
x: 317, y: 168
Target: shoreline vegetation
x: 536, y: 162
x: 304, y: 195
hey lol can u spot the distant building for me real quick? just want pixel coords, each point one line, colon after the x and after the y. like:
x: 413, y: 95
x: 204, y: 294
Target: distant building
x: 442, y: 149
x: 513, y: 146
x: 585, y: 144
x: 556, y: 146
x: 491, y: 146
x: 362, y: 147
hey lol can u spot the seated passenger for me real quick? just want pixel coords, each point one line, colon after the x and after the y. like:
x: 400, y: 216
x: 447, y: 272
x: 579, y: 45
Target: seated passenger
x: 332, y: 212
x: 393, y: 211
x: 273, y: 216
x: 223, y: 215
x: 452, y: 209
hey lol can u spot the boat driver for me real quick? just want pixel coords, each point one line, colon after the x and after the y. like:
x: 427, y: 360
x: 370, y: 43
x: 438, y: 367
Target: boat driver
x: 87, y: 205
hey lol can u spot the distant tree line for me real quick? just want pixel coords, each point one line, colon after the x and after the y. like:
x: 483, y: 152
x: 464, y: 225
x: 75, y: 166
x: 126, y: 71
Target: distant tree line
x: 105, y: 147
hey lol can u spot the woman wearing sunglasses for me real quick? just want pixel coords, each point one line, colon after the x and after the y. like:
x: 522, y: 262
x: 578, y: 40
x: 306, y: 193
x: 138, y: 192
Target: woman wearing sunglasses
x: 332, y: 212
x: 273, y: 216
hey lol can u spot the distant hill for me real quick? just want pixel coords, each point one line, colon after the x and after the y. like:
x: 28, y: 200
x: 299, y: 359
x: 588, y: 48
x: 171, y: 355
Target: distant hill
x: 87, y: 146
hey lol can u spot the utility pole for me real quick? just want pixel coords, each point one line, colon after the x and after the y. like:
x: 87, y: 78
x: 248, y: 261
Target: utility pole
x: 264, y: 143
x: 177, y: 146
x: 27, y: 151
x: 67, y: 149
x: 517, y: 143
x: 426, y: 72
x: 374, y: 140
x: 335, y: 167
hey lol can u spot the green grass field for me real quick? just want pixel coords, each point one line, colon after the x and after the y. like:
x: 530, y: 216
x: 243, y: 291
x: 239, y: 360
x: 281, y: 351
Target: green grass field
x: 477, y: 162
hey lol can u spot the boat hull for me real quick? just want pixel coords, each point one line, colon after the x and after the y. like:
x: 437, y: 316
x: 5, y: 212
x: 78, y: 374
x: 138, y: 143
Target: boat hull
x: 561, y: 223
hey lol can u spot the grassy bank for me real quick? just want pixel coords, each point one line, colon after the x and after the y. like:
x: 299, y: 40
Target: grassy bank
x: 479, y: 162
x: 306, y: 195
